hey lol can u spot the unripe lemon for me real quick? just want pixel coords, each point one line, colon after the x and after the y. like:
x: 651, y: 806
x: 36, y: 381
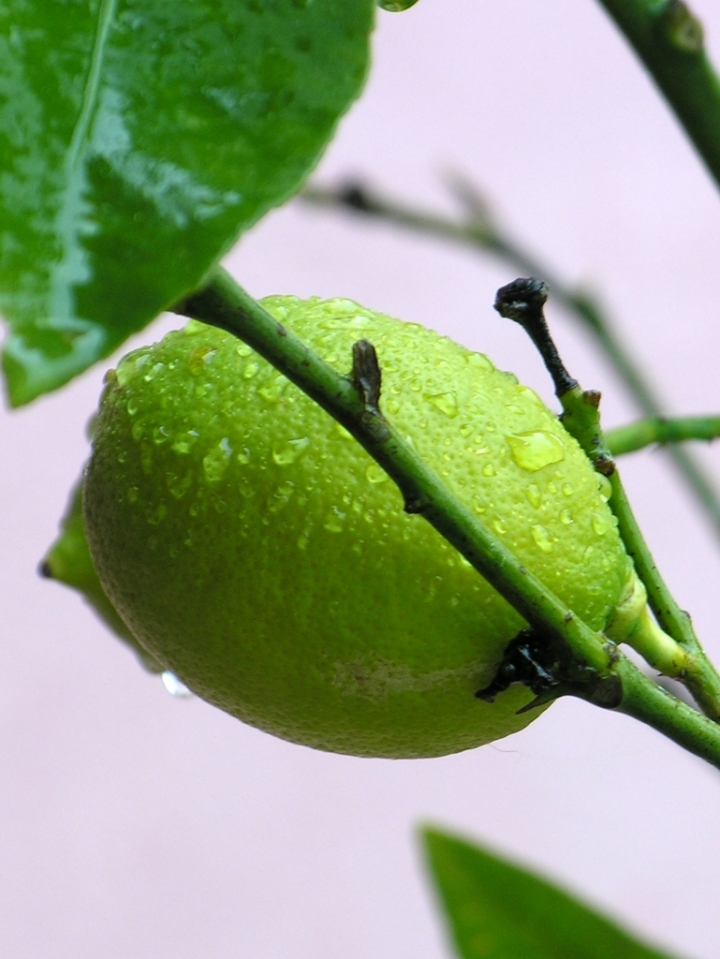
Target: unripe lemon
x: 256, y: 550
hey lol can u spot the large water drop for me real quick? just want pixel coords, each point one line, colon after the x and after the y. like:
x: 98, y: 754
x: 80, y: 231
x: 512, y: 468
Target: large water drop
x: 533, y: 451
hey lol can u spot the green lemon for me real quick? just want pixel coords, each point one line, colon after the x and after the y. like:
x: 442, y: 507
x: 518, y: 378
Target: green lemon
x: 255, y: 549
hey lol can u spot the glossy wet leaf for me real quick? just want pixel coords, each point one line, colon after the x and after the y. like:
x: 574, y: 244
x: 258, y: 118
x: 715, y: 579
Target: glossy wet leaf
x: 496, y: 910
x: 138, y: 138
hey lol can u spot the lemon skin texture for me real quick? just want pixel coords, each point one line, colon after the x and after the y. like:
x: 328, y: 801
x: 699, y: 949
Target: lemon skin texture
x: 255, y: 549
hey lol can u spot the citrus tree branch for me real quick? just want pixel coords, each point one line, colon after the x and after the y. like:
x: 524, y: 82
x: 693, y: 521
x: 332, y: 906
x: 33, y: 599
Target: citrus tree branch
x: 482, y: 232
x: 657, y: 429
x: 353, y: 400
x: 674, y: 649
x: 668, y: 38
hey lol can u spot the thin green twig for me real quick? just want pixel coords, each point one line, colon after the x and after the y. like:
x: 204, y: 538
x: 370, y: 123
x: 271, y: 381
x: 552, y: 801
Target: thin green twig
x: 353, y: 401
x: 636, y: 436
x: 482, y: 232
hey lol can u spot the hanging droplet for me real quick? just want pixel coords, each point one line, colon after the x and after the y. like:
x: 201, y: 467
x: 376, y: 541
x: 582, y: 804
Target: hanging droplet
x: 174, y: 686
x: 566, y: 517
x: 532, y: 451
x: 489, y: 470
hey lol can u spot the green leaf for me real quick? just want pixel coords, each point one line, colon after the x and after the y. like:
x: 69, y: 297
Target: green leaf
x: 137, y: 139
x: 496, y: 910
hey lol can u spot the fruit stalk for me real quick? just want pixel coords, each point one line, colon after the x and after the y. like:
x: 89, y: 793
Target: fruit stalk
x: 351, y: 401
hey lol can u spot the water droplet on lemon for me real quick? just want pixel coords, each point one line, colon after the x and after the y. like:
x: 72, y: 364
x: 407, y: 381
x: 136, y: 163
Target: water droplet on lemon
x: 532, y: 451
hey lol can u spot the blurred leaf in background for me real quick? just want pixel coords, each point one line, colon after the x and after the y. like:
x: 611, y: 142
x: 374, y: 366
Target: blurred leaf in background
x: 496, y: 910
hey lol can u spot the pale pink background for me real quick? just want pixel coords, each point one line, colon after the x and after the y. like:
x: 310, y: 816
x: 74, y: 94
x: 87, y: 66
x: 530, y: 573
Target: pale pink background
x: 136, y: 825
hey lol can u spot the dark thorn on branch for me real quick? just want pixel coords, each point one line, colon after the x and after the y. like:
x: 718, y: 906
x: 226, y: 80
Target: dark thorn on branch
x: 45, y: 570
x: 523, y: 301
x: 366, y: 375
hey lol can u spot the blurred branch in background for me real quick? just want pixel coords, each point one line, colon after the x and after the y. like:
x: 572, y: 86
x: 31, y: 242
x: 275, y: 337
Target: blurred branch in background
x: 480, y: 231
